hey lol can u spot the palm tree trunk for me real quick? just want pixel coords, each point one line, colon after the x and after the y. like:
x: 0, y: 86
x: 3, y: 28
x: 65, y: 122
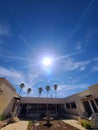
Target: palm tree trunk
x: 20, y: 91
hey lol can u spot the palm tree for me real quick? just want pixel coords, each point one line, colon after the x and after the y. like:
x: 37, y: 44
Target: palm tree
x: 22, y: 85
x: 28, y: 91
x: 55, y: 88
x: 48, y: 89
x: 40, y: 91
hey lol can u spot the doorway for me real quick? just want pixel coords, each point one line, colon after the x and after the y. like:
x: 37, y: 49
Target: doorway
x: 87, y: 108
x: 90, y: 107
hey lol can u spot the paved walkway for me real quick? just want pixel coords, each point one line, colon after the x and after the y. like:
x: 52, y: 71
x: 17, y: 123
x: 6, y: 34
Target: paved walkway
x: 74, y: 123
x: 20, y: 125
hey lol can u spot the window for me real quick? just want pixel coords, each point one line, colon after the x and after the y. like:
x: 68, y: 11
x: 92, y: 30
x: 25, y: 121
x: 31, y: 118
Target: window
x: 67, y: 105
x: 73, y: 105
x: 96, y: 100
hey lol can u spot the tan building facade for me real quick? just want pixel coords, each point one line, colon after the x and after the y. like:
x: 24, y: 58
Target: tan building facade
x: 86, y: 101
x: 10, y: 101
x: 7, y: 97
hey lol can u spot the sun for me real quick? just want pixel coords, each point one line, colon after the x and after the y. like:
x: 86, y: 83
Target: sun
x: 47, y: 61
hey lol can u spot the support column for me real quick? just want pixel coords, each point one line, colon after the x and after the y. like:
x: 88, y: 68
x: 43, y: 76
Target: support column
x: 91, y: 106
x: 95, y: 105
x: 47, y: 110
x: 37, y: 107
x: 56, y: 108
x: 61, y: 109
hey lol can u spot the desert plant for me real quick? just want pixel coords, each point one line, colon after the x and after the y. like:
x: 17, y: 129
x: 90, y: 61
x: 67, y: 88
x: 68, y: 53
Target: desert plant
x: 86, y: 123
x: 2, y: 117
x: 30, y: 122
x: 8, y: 116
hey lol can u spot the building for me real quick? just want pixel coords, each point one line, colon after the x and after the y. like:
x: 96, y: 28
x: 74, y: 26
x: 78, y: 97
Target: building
x: 11, y: 102
x: 86, y: 101
x: 40, y: 106
x: 8, y: 97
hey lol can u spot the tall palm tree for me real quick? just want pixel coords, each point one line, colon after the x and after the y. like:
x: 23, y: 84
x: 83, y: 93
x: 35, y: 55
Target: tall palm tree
x: 28, y: 91
x: 55, y: 88
x: 48, y: 89
x: 40, y: 91
x: 22, y: 85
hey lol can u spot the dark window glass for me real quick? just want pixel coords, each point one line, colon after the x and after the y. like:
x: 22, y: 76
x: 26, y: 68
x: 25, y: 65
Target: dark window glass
x: 96, y: 100
x: 67, y: 105
x: 87, y: 108
x: 94, y: 107
x: 73, y: 105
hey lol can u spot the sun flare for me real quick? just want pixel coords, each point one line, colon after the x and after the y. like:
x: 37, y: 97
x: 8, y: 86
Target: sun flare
x: 47, y: 61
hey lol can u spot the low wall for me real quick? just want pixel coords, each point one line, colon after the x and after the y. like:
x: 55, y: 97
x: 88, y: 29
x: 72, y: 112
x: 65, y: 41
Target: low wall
x: 72, y: 116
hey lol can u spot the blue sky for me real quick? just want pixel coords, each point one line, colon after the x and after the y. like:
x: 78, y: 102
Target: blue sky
x: 64, y: 30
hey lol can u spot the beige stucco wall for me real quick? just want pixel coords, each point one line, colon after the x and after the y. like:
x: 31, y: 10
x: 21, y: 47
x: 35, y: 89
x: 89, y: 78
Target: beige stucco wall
x: 38, y: 100
x: 77, y: 99
x: 94, y: 90
x: 82, y: 95
x: 6, y: 99
x: 73, y: 98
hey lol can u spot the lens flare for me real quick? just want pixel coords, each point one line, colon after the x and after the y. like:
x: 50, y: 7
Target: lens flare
x: 47, y: 61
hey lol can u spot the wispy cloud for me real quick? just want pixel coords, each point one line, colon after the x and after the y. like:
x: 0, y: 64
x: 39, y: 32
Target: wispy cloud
x: 18, y: 77
x: 25, y: 41
x: 68, y: 55
x: 33, y: 78
x: 4, y: 30
x: 95, y: 69
x: 70, y: 64
x: 66, y: 90
x: 16, y: 57
x: 89, y: 6
x: 81, y: 45
x: 11, y: 73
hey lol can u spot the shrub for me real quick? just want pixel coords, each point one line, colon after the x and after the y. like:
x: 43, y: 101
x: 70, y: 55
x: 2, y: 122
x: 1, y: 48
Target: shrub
x: 30, y: 123
x: 2, y: 117
x: 8, y: 116
x: 86, y: 123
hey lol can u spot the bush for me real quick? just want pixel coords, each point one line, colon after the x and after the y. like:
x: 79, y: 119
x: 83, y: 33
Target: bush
x: 30, y: 123
x: 2, y: 117
x: 86, y: 123
x: 8, y: 116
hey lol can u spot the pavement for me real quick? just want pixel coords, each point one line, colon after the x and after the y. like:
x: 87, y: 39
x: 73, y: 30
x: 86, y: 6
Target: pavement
x: 74, y: 123
x: 19, y: 125
x: 22, y: 125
